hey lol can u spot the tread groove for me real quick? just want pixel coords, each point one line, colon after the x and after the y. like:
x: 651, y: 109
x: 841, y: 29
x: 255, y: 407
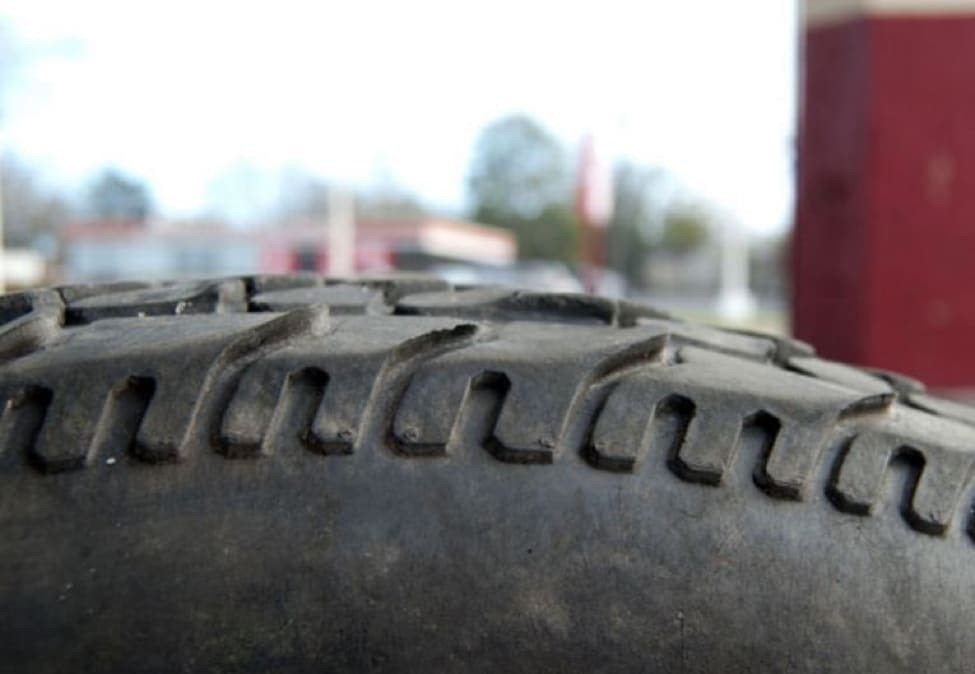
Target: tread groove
x: 672, y: 418
x: 495, y: 386
x: 23, y: 416
x: 224, y: 374
x: 119, y: 423
x: 595, y: 457
x: 847, y: 430
x: 291, y: 425
x: 394, y: 377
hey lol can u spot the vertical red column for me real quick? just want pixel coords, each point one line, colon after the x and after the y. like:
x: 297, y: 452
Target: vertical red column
x: 594, y: 208
x: 884, y: 249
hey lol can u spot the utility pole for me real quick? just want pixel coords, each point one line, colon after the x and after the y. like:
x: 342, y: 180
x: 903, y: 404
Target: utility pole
x: 341, y: 232
x: 735, y: 300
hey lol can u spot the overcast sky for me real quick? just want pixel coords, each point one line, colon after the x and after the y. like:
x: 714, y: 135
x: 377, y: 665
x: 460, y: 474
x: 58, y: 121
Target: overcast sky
x: 178, y: 92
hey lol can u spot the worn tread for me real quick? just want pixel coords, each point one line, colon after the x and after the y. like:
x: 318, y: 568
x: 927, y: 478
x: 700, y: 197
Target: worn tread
x: 290, y: 373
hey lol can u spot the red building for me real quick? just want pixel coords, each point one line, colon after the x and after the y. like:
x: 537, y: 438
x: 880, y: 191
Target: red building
x: 113, y: 250
x: 884, y: 256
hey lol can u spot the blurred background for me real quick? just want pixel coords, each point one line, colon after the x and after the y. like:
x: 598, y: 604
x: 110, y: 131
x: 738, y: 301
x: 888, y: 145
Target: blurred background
x: 649, y: 150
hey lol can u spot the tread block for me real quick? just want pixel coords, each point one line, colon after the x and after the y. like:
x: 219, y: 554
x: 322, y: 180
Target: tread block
x: 427, y: 412
x: 859, y: 483
x: 160, y: 435
x: 250, y: 411
x: 335, y: 428
x: 15, y: 305
x: 79, y: 291
x: 398, y: 285
x: 943, y: 408
x: 792, y: 459
x: 23, y: 415
x: 535, y: 399
x: 219, y: 296
x: 508, y: 304
x: 272, y: 410
x: 849, y: 377
x: 392, y: 380
x: 290, y: 426
x: 901, y: 383
x: 785, y: 347
x: 341, y: 299
x: 186, y: 413
x: 516, y: 432
x: 166, y: 421
x: 502, y: 448
x: 262, y: 283
x: 713, y: 341
x: 28, y: 321
x: 121, y: 418
x: 938, y: 491
x: 618, y: 440
x: 708, y: 448
x: 521, y: 433
x: 66, y: 437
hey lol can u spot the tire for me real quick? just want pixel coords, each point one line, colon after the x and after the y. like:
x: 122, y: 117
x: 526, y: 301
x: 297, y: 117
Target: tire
x: 389, y: 474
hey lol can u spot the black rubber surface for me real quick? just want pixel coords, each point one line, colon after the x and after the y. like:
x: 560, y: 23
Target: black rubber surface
x: 302, y: 474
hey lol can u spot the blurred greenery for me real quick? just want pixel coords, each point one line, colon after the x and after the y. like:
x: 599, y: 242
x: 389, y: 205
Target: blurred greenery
x: 685, y: 228
x: 554, y: 234
x: 521, y: 179
x: 636, y: 214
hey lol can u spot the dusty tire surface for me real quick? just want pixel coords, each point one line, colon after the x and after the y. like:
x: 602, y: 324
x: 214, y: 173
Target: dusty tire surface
x: 389, y: 474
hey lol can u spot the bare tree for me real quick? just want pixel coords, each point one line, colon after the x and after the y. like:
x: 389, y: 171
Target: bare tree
x: 31, y: 209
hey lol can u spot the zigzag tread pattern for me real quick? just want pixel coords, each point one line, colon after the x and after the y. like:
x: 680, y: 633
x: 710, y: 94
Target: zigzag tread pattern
x: 337, y: 368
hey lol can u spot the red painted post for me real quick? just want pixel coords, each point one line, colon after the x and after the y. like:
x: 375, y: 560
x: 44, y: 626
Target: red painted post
x: 884, y: 249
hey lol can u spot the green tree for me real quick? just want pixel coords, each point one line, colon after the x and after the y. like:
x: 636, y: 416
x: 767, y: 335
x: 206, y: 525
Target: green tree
x: 520, y: 178
x: 636, y: 214
x: 553, y: 235
x: 686, y: 227
x: 113, y: 195
x: 30, y: 209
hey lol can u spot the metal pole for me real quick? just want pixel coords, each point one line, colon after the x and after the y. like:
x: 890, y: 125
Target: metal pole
x: 735, y: 300
x: 341, y: 232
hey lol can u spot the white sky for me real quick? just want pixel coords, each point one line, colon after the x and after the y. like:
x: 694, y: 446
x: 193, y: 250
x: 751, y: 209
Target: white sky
x: 178, y: 92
